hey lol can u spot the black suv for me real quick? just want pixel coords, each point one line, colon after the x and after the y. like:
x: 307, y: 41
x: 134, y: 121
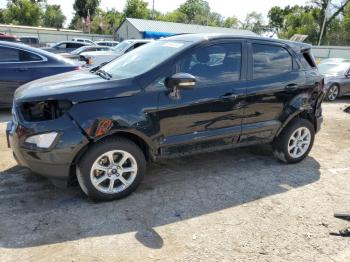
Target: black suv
x: 176, y: 96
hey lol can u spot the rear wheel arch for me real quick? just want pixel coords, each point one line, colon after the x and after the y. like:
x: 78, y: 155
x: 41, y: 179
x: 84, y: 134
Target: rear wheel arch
x: 304, y: 114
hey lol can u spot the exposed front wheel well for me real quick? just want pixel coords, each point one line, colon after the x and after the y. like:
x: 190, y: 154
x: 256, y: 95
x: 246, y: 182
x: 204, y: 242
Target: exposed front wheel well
x: 72, y: 180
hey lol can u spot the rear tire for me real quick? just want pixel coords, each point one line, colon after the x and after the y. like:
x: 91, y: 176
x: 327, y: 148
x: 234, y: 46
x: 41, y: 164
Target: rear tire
x: 111, y: 169
x: 332, y: 93
x: 295, y: 141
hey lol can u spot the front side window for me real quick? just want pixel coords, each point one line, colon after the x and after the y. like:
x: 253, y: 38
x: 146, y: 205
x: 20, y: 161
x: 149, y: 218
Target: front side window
x: 214, y: 64
x: 16, y: 55
x: 269, y: 60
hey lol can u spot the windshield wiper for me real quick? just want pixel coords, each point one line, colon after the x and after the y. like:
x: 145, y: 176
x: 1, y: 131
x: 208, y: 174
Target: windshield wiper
x: 104, y: 74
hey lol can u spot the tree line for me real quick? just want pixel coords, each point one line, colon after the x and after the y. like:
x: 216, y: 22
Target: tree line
x: 333, y: 15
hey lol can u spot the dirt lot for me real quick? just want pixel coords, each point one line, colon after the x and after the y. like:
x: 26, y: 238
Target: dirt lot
x: 238, y: 205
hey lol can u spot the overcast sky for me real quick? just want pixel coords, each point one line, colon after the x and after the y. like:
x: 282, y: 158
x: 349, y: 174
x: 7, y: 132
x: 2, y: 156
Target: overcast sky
x: 226, y: 8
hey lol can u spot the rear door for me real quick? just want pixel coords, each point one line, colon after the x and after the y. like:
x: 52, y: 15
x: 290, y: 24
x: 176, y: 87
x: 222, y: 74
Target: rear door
x: 17, y: 67
x: 274, y: 78
x: 210, y: 114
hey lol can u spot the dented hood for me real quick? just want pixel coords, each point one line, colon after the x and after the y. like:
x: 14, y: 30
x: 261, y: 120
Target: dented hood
x: 76, y: 86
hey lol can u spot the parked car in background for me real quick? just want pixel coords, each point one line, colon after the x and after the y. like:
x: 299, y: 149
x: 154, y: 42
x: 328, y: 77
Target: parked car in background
x: 334, y: 60
x: 65, y: 47
x: 99, y: 57
x: 20, y: 64
x: 84, y: 40
x: 173, y: 97
x: 30, y: 40
x: 76, y: 53
x: 8, y: 38
x: 107, y: 43
x: 337, y: 77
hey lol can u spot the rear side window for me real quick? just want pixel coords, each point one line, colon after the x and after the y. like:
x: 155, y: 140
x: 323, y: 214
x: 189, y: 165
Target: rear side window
x: 269, y: 60
x: 16, y: 55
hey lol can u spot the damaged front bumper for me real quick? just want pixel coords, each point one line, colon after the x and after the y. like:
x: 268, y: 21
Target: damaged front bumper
x: 54, y: 162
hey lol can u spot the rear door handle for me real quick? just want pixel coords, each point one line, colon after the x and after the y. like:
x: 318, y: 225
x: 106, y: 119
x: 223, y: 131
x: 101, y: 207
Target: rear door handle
x: 229, y: 96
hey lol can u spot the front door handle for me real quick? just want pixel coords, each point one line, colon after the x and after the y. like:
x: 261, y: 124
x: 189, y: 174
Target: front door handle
x: 229, y: 96
x: 291, y: 87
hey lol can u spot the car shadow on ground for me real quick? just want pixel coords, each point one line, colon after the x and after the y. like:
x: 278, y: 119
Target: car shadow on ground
x: 35, y: 213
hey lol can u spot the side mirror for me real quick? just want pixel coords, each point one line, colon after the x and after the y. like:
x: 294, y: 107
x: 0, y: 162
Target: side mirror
x: 180, y: 81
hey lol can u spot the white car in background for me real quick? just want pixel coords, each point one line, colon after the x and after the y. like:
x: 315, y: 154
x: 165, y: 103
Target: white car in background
x: 96, y: 58
x: 84, y: 40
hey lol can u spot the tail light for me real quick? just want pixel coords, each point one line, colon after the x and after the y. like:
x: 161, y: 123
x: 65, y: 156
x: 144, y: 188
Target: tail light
x: 77, y: 68
x: 89, y: 61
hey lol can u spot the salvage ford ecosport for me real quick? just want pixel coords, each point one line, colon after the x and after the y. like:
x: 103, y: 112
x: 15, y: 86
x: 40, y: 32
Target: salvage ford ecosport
x: 176, y: 96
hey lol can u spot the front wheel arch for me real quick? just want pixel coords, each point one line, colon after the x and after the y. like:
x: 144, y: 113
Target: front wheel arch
x: 145, y: 148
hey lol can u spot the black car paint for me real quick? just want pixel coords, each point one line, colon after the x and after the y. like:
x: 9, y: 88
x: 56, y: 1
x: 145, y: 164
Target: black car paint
x: 200, y: 119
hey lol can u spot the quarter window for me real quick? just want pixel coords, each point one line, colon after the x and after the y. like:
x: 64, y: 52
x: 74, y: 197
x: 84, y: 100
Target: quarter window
x: 214, y: 64
x: 270, y: 60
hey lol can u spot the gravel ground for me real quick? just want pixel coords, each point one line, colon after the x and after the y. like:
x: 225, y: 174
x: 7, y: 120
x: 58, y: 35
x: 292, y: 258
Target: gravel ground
x: 238, y: 205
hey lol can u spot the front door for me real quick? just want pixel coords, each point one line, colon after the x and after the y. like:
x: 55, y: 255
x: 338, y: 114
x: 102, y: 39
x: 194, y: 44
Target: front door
x: 210, y: 114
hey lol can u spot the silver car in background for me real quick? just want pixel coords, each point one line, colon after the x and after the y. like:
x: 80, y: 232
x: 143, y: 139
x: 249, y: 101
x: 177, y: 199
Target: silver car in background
x: 337, y: 77
x: 97, y: 58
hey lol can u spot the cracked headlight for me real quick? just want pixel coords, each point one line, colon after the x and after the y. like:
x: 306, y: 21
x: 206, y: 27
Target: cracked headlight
x: 43, y: 140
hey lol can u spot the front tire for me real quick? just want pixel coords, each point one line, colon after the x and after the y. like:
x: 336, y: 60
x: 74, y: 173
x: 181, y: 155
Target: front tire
x: 111, y: 169
x: 295, y: 141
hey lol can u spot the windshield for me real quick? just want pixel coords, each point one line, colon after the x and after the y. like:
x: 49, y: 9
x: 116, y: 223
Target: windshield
x: 144, y: 58
x: 333, y: 68
x: 122, y: 46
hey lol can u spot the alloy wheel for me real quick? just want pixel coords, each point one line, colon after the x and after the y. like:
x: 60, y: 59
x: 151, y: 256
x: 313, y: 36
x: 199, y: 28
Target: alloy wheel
x: 333, y: 93
x: 113, y: 171
x: 299, y: 142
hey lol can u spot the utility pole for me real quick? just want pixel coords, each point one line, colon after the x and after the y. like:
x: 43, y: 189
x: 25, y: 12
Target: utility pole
x: 153, y: 10
x: 324, y: 22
